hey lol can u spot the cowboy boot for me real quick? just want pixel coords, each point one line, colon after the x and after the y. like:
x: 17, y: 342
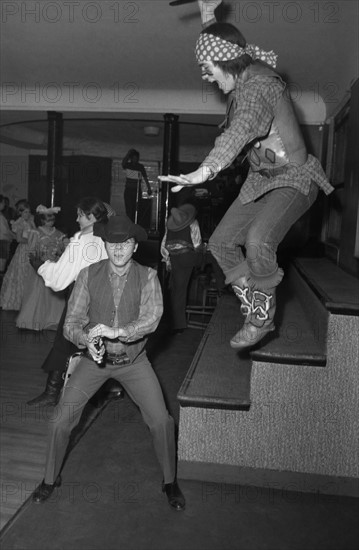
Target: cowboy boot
x: 242, y: 291
x: 52, y: 391
x: 259, y: 307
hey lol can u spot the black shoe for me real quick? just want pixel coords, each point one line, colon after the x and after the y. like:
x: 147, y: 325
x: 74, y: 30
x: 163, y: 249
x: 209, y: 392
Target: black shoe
x: 45, y: 490
x: 52, y: 391
x: 177, y: 331
x: 115, y: 390
x: 174, y: 496
x: 109, y: 391
x: 44, y: 400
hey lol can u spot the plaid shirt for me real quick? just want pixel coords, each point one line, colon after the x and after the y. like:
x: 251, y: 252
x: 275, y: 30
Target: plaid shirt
x: 255, y: 101
x: 77, y: 319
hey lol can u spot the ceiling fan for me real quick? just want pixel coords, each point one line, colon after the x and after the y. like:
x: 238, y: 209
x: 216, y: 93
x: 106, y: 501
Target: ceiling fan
x: 180, y: 2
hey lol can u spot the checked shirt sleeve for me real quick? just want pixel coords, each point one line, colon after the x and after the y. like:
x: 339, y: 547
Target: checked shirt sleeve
x: 256, y: 101
x: 151, y: 309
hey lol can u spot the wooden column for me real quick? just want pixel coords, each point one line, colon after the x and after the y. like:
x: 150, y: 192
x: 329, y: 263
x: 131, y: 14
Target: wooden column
x: 169, y: 166
x: 54, y: 154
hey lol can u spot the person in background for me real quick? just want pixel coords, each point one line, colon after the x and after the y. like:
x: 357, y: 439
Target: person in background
x: 114, y: 305
x: 135, y: 173
x: 6, y: 236
x: 83, y: 249
x: 283, y: 179
x: 9, y: 212
x: 41, y: 307
x: 12, y: 289
x: 180, y: 249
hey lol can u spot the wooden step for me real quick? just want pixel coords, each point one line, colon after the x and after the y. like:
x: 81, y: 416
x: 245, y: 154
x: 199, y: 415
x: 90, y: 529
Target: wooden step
x: 337, y: 290
x: 301, y: 320
x: 218, y: 377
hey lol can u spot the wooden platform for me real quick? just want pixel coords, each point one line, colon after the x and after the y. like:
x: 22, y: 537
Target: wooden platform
x: 303, y: 415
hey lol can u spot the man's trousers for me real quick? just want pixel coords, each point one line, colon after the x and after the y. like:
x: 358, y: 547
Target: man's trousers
x: 140, y: 383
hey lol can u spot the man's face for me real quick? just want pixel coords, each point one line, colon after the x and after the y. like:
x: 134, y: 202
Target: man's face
x: 121, y: 253
x: 211, y: 73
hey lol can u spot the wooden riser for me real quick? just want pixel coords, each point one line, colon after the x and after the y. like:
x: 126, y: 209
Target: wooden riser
x: 301, y: 418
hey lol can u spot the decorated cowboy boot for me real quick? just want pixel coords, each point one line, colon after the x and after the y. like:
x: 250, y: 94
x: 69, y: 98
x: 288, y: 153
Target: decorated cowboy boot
x: 259, y: 307
x: 242, y: 291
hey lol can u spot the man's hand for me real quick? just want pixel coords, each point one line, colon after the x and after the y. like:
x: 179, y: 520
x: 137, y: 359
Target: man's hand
x: 207, y: 9
x: 35, y: 261
x: 187, y: 180
x: 100, y: 330
x: 96, y: 349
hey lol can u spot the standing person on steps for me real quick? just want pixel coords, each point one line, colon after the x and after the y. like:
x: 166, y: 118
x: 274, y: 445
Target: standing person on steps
x: 83, y: 249
x: 114, y: 305
x: 180, y: 251
x: 283, y: 179
x: 135, y: 173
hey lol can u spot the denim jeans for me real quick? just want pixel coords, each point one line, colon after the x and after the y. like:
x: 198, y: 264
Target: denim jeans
x: 258, y: 227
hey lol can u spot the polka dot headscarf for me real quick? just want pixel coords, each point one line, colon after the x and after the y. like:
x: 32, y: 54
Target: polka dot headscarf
x: 212, y: 48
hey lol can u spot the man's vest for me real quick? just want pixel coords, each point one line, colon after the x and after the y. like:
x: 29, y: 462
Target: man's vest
x: 102, y: 308
x: 178, y: 242
x: 284, y: 143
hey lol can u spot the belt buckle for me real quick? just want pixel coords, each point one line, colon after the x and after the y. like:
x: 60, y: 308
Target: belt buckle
x: 120, y: 360
x: 265, y: 172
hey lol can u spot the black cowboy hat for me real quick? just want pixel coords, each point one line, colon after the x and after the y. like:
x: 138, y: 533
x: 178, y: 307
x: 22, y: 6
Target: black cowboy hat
x: 118, y: 229
x: 181, y: 217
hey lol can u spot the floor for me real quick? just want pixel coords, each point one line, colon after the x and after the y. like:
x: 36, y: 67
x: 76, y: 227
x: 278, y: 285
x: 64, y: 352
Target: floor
x: 111, y: 493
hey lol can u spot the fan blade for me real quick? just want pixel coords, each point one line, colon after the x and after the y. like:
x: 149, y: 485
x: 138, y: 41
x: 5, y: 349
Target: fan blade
x: 180, y: 2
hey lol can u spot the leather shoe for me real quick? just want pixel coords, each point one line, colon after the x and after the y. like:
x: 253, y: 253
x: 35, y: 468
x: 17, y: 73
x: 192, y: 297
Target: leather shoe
x: 115, y: 390
x: 116, y: 394
x: 45, y: 490
x: 174, y: 495
x: 250, y: 335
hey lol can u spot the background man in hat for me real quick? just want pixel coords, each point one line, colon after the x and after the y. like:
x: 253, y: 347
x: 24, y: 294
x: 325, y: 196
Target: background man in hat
x: 179, y: 249
x: 114, y: 305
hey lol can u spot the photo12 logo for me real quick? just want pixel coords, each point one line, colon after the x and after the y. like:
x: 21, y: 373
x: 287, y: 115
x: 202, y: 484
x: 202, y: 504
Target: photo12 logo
x: 69, y: 12
x: 68, y: 92
x: 277, y: 11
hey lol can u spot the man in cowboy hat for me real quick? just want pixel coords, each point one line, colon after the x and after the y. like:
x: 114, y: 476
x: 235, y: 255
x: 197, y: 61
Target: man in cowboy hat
x: 179, y: 249
x: 114, y: 305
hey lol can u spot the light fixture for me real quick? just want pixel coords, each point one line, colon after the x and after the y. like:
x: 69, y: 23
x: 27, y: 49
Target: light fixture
x: 151, y: 131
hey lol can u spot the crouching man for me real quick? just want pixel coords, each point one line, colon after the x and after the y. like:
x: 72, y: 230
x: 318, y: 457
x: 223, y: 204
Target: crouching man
x: 114, y: 305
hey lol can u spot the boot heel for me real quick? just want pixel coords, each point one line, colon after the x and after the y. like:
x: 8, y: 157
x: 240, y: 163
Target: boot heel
x: 45, y: 490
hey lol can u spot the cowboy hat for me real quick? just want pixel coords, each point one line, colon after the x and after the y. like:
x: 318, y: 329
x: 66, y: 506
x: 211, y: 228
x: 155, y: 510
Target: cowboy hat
x: 119, y: 229
x: 181, y: 217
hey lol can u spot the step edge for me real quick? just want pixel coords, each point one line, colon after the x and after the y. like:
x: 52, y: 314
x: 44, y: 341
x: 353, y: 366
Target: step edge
x: 212, y: 403
x: 322, y: 295
x: 295, y: 360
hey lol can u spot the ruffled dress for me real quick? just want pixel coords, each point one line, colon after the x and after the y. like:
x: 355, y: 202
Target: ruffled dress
x: 19, y: 269
x: 41, y: 307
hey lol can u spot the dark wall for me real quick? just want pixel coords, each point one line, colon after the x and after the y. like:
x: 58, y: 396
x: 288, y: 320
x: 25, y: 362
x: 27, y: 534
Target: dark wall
x: 80, y: 176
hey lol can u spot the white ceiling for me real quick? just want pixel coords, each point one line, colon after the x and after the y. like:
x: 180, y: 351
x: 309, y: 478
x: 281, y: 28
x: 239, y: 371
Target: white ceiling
x: 134, y: 60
